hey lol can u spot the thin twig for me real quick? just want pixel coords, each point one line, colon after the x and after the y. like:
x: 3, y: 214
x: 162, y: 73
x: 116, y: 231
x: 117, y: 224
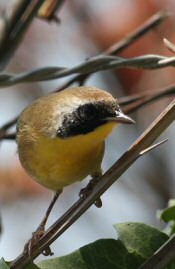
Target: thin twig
x: 80, y: 79
x: 49, y: 8
x: 134, y: 102
x: 155, y: 94
x: 14, y: 22
x: 127, y: 159
x: 9, y: 124
x: 4, y: 130
x: 143, y: 152
x: 8, y: 136
x: 170, y: 46
x: 148, y: 25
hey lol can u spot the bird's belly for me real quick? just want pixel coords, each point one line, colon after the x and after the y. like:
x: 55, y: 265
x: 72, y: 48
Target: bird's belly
x: 56, y: 163
x: 56, y: 166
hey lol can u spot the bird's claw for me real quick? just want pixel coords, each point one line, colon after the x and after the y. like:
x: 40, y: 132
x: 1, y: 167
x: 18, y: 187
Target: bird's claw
x: 88, y: 189
x: 38, y: 234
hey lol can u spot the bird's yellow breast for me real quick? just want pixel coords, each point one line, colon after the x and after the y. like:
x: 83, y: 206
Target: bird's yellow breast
x: 56, y: 163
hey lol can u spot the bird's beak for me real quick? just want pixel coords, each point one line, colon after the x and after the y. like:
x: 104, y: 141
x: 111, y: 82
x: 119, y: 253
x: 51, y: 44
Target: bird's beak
x: 121, y: 117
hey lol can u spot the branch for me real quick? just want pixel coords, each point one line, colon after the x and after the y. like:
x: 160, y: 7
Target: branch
x: 80, y: 79
x: 4, y: 130
x: 13, y: 24
x: 133, y: 102
x: 127, y: 159
x: 8, y: 125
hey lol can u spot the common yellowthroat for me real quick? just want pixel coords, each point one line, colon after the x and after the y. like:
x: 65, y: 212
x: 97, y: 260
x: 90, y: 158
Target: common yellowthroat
x: 61, y: 136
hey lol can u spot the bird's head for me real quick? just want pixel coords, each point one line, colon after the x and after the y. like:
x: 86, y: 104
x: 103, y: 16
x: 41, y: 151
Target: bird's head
x: 71, y: 112
x: 87, y: 109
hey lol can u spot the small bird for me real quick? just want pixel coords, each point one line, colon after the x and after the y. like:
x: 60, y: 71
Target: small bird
x: 61, y: 137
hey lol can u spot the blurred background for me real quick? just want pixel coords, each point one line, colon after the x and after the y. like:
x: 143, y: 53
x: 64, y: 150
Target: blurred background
x: 87, y: 28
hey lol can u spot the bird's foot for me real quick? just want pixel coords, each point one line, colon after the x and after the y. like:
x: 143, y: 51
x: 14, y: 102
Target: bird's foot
x: 36, y: 236
x: 40, y: 232
x: 88, y: 189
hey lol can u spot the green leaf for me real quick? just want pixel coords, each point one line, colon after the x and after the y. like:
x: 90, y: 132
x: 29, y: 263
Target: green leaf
x: 137, y: 242
x: 103, y: 254
x: 72, y: 261
x: 31, y: 266
x: 140, y: 238
x: 3, y: 264
x: 168, y: 214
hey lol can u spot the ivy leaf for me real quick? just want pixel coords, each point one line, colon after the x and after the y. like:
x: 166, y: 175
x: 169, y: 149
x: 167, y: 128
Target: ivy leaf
x: 103, y: 254
x: 140, y: 238
x: 31, y: 266
x: 168, y: 214
x: 3, y: 264
x: 136, y: 243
